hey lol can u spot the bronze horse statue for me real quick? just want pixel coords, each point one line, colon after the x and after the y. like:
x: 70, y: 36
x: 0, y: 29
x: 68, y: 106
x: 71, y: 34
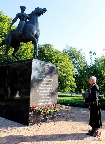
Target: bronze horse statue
x: 30, y: 33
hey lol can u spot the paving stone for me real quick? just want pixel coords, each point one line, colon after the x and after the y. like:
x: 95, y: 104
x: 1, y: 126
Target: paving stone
x: 72, y: 131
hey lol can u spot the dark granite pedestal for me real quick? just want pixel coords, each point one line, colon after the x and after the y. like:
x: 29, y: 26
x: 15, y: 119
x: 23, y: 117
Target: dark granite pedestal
x: 24, y: 84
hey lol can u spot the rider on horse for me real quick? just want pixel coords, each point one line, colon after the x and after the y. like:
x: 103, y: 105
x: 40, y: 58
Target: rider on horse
x: 28, y: 29
x: 23, y: 18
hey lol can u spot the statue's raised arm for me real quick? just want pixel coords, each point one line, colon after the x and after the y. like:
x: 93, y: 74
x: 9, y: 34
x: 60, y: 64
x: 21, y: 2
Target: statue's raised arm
x: 14, y: 20
x: 23, y: 18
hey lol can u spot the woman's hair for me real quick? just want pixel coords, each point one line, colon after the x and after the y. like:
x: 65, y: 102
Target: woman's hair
x: 93, y: 78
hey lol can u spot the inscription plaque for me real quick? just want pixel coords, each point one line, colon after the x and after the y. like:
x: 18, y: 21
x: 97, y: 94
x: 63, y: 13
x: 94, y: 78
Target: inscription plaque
x: 44, y: 83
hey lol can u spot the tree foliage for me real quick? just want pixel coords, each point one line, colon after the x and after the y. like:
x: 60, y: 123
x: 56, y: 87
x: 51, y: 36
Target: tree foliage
x: 76, y: 57
x: 79, y: 62
x: 4, y: 25
x: 65, y: 67
x: 100, y: 72
x: 4, y: 29
x: 97, y: 69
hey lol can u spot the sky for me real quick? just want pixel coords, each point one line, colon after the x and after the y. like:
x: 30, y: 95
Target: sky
x: 76, y: 23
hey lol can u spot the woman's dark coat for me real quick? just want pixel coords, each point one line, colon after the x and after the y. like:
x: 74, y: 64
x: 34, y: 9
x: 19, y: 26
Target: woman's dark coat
x: 94, y: 106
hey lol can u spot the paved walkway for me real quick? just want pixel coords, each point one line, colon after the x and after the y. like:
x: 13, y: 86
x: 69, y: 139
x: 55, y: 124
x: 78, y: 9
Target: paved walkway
x: 72, y: 131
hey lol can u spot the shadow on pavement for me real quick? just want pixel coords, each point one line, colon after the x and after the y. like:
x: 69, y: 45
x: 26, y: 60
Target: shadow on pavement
x: 54, y: 137
x: 5, y: 123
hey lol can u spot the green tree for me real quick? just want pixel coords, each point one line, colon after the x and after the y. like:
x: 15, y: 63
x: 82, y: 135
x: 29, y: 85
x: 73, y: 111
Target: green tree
x: 76, y: 57
x: 4, y: 25
x: 4, y: 29
x: 78, y: 60
x: 100, y: 72
x: 82, y: 79
x: 96, y: 69
x: 65, y: 67
x: 26, y: 51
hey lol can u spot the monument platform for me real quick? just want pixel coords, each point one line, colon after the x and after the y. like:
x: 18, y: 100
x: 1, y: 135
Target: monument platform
x: 25, y: 84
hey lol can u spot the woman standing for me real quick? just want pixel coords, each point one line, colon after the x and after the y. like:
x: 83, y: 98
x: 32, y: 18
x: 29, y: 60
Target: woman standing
x: 94, y: 106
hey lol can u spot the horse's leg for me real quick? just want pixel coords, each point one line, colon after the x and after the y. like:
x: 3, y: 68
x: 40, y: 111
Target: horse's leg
x: 34, y: 41
x: 37, y: 37
x: 8, y: 45
x: 7, y: 49
x: 15, y: 51
x: 35, y: 50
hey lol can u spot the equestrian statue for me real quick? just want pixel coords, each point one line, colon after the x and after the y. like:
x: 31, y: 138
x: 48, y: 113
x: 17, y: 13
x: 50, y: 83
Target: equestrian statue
x: 26, y: 31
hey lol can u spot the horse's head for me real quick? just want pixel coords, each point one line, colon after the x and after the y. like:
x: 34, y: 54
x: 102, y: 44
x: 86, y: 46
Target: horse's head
x: 40, y: 11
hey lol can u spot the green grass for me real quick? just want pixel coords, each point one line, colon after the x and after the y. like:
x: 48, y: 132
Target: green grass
x: 69, y: 95
x: 76, y: 100
x: 71, y: 99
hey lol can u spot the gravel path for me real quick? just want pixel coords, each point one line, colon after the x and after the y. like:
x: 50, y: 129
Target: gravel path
x: 72, y: 131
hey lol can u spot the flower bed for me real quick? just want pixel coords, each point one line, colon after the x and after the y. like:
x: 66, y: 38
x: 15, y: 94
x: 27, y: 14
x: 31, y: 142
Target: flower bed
x: 44, y: 113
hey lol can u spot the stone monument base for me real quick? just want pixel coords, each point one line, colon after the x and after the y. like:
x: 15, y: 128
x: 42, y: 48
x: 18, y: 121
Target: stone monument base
x: 25, y: 84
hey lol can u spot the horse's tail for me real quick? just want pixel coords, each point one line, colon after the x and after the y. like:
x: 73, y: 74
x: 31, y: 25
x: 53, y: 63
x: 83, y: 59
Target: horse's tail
x: 2, y: 42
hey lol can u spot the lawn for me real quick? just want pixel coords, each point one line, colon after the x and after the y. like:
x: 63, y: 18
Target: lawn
x: 68, y: 97
x: 76, y: 100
